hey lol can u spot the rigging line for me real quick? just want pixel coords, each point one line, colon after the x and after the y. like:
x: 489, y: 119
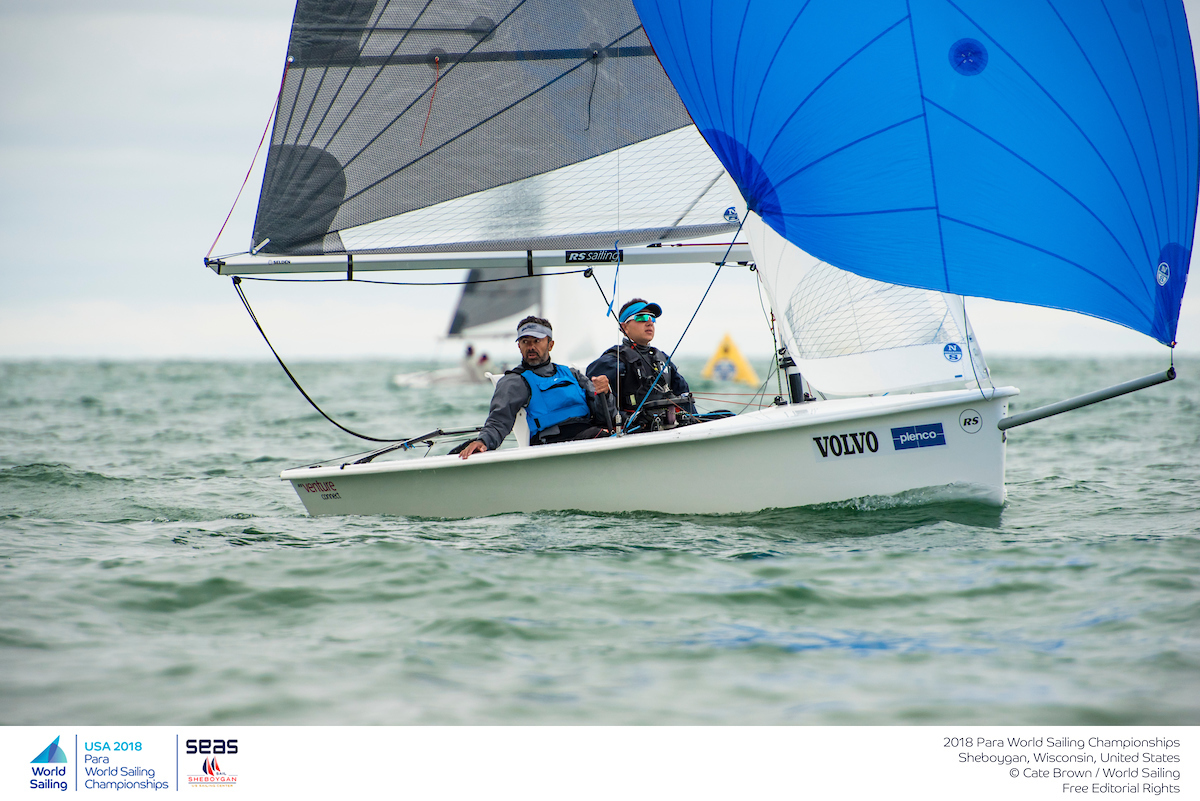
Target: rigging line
x: 263, y: 138
x: 589, y: 272
x: 437, y: 72
x: 592, y: 91
x: 404, y: 283
x: 658, y: 375
x: 770, y: 320
x: 237, y: 281
x: 971, y: 351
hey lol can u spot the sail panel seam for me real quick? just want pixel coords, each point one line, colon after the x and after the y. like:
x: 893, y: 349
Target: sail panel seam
x: 466, y: 131
x: 1056, y: 184
x: 783, y: 125
x: 767, y: 72
x: 912, y: 30
x: 834, y: 152
x: 1145, y: 110
x: 1101, y: 279
x: 1066, y: 115
x: 1124, y: 129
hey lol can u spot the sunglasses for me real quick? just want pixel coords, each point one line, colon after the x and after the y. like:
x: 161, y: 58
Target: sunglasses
x: 644, y: 317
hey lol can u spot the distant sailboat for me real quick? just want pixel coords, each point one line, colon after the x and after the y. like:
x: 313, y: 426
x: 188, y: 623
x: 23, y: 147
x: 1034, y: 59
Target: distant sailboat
x: 884, y: 163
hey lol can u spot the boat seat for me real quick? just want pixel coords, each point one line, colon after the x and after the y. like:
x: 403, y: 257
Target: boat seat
x: 521, y: 426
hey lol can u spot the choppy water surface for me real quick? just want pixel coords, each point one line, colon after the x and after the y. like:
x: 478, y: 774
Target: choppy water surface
x: 153, y: 570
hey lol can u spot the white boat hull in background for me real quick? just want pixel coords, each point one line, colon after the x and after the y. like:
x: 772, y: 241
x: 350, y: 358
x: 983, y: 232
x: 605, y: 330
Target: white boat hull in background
x: 781, y: 457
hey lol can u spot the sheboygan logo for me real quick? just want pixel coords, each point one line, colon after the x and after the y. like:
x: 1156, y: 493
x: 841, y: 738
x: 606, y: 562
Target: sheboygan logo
x: 210, y: 774
x: 925, y: 436
x: 47, y: 778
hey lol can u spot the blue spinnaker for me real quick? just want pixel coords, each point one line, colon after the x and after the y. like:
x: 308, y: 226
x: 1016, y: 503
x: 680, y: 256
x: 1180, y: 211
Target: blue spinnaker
x: 1036, y: 151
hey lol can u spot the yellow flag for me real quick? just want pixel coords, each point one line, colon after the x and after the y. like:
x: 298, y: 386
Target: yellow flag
x: 728, y: 364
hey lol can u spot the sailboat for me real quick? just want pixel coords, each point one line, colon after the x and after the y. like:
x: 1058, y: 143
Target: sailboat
x: 881, y: 166
x: 489, y: 307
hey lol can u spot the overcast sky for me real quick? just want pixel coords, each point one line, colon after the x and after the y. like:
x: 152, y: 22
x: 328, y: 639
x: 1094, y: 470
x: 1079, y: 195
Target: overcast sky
x: 126, y: 127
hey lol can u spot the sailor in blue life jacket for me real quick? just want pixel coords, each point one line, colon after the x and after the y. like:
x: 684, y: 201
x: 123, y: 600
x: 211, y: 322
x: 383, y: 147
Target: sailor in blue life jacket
x: 631, y: 367
x: 560, y: 403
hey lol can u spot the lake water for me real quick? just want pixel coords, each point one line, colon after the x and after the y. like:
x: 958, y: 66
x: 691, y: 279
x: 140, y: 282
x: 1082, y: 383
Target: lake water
x: 154, y: 570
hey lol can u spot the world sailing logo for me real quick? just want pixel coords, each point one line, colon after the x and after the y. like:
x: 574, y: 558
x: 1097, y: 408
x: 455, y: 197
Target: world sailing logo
x: 52, y: 754
x: 42, y: 777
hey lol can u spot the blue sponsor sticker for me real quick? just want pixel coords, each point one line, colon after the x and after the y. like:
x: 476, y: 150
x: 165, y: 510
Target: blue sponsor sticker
x: 952, y: 352
x: 924, y: 436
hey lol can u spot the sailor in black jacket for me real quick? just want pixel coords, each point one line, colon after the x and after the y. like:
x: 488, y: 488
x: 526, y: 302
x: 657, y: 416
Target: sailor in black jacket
x: 631, y: 366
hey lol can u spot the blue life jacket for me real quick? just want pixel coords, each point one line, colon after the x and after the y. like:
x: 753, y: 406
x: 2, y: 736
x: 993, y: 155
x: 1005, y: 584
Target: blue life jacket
x: 553, y: 399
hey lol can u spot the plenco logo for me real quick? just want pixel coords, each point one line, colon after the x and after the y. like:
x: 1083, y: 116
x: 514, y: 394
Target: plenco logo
x: 925, y: 436
x: 847, y: 444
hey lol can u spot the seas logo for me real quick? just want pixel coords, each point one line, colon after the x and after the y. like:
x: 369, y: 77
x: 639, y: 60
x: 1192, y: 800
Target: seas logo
x: 210, y: 774
x: 852, y: 444
x: 923, y: 436
x: 44, y: 778
x: 952, y: 352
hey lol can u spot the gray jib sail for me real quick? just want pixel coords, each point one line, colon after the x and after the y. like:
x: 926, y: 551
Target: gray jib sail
x: 494, y: 295
x: 395, y: 106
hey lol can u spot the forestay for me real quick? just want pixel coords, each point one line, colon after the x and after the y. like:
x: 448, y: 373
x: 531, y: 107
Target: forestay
x: 1031, y: 151
x: 511, y: 125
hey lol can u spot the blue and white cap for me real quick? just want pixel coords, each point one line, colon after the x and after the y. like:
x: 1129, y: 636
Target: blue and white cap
x: 536, y: 330
x: 634, y: 308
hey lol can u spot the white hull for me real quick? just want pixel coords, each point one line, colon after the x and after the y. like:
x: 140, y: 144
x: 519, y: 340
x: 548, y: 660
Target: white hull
x: 775, y: 458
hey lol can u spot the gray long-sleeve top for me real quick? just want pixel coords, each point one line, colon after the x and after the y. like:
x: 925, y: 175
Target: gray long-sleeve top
x: 512, y: 394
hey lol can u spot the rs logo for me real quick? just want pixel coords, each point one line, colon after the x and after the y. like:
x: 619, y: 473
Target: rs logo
x: 970, y: 421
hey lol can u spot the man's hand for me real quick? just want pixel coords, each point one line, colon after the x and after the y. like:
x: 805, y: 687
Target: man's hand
x: 476, y: 446
x: 600, y: 382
